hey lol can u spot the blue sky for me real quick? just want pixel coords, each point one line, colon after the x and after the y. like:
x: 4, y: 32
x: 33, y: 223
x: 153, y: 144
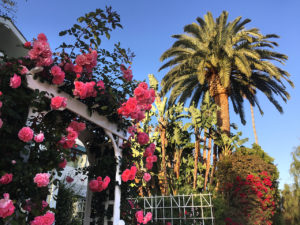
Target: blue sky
x: 148, y: 26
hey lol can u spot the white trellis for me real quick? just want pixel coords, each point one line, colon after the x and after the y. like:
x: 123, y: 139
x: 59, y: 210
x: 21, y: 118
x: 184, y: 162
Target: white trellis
x: 110, y: 129
x: 196, y: 209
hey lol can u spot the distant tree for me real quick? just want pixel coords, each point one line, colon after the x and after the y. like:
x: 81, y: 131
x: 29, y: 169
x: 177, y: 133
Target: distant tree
x: 291, y: 193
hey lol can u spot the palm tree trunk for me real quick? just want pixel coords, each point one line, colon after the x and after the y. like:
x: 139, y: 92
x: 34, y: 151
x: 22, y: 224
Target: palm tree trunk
x: 214, y: 163
x: 177, y: 162
x: 220, y: 95
x: 197, y: 150
x: 164, y: 168
x: 207, y: 162
x: 204, y: 148
x: 253, y: 124
x: 223, y: 118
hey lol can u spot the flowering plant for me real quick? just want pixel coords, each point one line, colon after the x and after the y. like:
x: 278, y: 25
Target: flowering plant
x: 37, y: 148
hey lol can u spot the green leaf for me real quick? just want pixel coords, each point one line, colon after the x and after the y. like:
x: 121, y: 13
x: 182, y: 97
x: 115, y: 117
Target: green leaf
x: 62, y: 33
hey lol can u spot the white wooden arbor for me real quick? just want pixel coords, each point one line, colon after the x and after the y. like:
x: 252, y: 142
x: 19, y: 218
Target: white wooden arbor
x: 110, y: 129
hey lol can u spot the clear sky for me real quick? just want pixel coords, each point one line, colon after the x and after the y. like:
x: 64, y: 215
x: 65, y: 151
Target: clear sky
x: 148, y: 26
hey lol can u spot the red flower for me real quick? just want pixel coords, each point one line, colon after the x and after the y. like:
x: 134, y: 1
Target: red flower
x: 27, y: 44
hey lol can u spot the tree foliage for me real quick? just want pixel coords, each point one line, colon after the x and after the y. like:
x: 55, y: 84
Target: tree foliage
x: 291, y: 193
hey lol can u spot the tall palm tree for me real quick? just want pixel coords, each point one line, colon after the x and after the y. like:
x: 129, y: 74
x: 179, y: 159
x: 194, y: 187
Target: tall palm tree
x: 225, y: 59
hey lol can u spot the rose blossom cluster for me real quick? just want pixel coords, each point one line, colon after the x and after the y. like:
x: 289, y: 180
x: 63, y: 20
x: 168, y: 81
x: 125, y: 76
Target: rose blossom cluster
x: 150, y: 157
x: 142, y: 138
x: 85, y: 90
x: 127, y: 73
x: 58, y: 102
x: 87, y: 61
x: 7, y: 207
x: 47, y: 219
x: 129, y: 174
x: 73, y: 131
x: 58, y: 75
x: 41, y: 179
x: 41, y: 51
x: 136, y: 106
x: 6, y: 178
x: 139, y: 215
x: 26, y: 135
x: 98, y: 185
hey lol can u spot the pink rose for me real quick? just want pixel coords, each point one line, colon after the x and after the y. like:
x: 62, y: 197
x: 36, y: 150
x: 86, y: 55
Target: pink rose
x: 149, y: 165
x: 27, y: 44
x: 151, y: 159
x: 47, y: 219
x: 80, y: 60
x: 125, y: 175
x: 106, y: 181
x: 59, y: 79
x: 147, y: 218
x: 99, y: 184
x: 63, y: 164
x: 127, y: 73
x: 93, y: 185
x: 41, y: 179
x: 24, y: 70
x: 39, y: 138
x: 55, y: 70
x: 6, y: 178
x: 77, y: 126
x: 1, y: 104
x: 143, y: 85
x: 44, y: 204
x: 58, y: 102
x: 133, y: 170
x: 147, y: 177
x: 42, y: 37
x: 80, y: 89
x: 7, y: 207
x: 69, y: 67
x: 77, y: 69
x: 138, y: 92
x: 129, y: 174
x: 72, y: 134
x: 58, y: 75
x: 1, y: 122
x: 142, y: 138
x: 25, y: 134
x: 101, y: 86
x: 15, y: 81
x: 149, y: 150
x: 41, y: 52
x: 139, y: 215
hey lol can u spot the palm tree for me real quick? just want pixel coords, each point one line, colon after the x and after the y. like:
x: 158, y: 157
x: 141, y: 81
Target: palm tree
x: 225, y: 59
